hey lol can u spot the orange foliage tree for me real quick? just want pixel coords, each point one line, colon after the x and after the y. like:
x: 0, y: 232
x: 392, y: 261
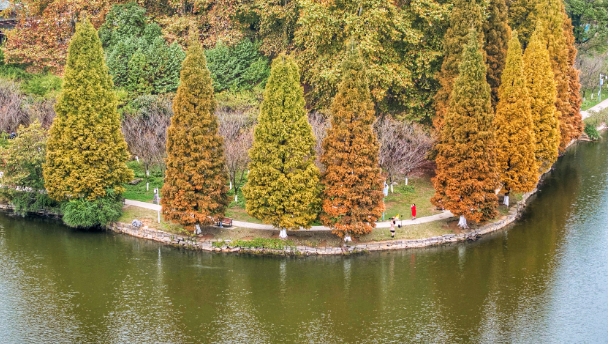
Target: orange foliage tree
x: 575, y: 99
x: 466, y: 164
x: 352, y: 198
x: 195, y: 187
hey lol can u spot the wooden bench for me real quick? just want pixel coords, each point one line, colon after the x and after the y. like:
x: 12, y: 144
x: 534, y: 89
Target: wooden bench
x: 225, y: 222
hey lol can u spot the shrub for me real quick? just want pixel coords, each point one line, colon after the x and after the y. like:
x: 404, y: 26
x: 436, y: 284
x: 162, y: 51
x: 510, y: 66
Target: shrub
x: 81, y: 213
x: 591, y: 131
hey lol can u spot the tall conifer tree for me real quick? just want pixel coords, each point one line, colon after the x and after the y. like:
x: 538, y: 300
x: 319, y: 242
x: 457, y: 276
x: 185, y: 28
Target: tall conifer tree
x: 195, y: 187
x: 353, y: 198
x: 551, y: 16
x: 454, y: 41
x: 282, y: 187
x: 86, y: 151
x: 574, y: 119
x: 522, y: 18
x: 466, y: 164
x: 496, y: 38
x: 539, y: 78
x: 515, y: 145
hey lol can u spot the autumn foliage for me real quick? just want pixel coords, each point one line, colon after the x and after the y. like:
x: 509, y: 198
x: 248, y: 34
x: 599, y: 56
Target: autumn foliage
x: 195, y: 187
x: 496, y: 38
x: 466, y: 164
x: 44, y: 30
x: 86, y: 151
x: 454, y: 41
x: 353, y: 198
x: 539, y: 80
x: 515, y: 145
x: 551, y: 16
x: 282, y: 187
x: 574, y: 119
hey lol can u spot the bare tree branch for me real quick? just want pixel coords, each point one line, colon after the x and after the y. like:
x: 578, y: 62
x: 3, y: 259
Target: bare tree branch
x: 403, y: 146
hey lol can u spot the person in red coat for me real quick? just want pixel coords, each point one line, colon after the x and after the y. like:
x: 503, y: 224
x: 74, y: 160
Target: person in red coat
x: 413, y: 211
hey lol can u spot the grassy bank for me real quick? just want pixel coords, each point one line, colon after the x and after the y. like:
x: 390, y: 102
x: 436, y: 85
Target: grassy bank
x: 591, y: 97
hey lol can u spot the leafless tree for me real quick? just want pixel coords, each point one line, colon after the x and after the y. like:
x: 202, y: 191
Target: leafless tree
x: 43, y: 110
x: 590, y: 66
x: 320, y: 123
x: 237, y: 132
x: 145, y: 130
x: 13, y: 107
x: 403, y: 147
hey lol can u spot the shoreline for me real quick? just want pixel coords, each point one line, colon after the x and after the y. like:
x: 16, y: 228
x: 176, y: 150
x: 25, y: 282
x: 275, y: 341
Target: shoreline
x: 190, y: 242
x: 193, y: 243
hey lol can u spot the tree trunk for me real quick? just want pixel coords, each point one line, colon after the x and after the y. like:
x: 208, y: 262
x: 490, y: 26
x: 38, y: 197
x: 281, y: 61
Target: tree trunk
x: 283, y: 234
x: 462, y: 222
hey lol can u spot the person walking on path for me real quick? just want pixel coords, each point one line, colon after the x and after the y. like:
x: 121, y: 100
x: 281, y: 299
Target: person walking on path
x: 413, y: 211
x: 392, y: 227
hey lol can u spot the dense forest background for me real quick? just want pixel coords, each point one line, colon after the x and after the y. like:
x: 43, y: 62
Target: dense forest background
x: 401, y: 42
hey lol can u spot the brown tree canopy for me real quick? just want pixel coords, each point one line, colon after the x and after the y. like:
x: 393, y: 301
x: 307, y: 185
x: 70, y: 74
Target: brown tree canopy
x: 352, y: 198
x: 195, y: 187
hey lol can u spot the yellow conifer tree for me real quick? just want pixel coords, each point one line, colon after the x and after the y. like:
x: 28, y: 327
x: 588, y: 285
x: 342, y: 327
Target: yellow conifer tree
x: 513, y: 127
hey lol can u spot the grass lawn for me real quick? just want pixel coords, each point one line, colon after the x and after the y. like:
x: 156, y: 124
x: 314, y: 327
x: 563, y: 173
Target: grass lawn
x: 591, y: 97
x: 138, y: 192
x: 149, y: 218
x: 419, y: 191
x: 312, y: 238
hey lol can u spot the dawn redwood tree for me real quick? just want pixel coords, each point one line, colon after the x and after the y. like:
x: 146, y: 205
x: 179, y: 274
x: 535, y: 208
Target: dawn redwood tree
x: 496, y: 37
x: 514, y: 141
x: 551, y: 17
x: 466, y: 164
x: 352, y: 198
x: 539, y: 79
x: 282, y: 187
x: 195, y: 187
x: 454, y: 41
x: 575, y: 99
x: 86, y: 151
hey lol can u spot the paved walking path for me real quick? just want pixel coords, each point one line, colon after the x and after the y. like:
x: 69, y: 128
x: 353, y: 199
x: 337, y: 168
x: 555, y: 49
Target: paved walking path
x: 386, y: 224
x: 602, y: 105
x: 242, y: 224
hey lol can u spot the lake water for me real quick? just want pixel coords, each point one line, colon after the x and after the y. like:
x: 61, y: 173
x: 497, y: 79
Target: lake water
x: 543, y: 280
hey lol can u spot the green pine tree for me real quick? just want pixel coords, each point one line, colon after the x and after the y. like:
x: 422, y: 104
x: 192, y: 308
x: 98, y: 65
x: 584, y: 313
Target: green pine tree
x: 515, y: 144
x: 86, y: 151
x: 353, y: 198
x: 195, y: 187
x: 282, y: 187
x: 539, y: 78
x: 466, y: 164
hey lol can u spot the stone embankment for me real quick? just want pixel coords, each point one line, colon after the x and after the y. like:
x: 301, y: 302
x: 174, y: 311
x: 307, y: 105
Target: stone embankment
x: 190, y: 242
